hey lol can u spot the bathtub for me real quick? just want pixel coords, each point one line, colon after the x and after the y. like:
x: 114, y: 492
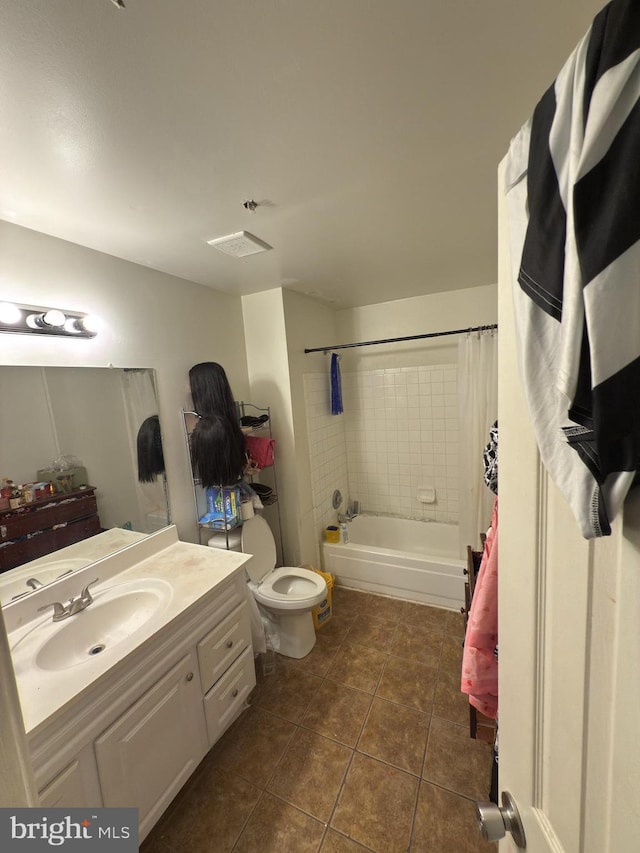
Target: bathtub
x: 414, y: 560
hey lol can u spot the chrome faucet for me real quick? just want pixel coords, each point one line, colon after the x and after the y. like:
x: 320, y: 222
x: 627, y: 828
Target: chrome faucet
x: 350, y: 514
x: 73, y: 606
x: 32, y: 583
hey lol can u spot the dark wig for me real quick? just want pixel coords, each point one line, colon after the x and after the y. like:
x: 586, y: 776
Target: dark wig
x: 210, y: 391
x: 150, y: 456
x: 212, y: 395
x: 216, y: 457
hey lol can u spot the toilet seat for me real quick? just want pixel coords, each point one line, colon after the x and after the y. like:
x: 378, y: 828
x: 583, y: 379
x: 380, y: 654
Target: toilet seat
x: 305, y: 589
x: 286, y: 588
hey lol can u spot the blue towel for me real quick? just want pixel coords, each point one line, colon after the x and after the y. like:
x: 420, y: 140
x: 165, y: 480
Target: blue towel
x: 336, y: 387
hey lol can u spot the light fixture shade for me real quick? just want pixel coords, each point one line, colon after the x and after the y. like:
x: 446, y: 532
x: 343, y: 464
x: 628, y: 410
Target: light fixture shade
x: 37, y: 320
x: 53, y: 317
x: 10, y: 314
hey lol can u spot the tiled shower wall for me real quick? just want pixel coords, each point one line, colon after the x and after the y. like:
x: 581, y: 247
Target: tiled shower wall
x: 327, y: 449
x: 401, y: 430
x: 397, y: 437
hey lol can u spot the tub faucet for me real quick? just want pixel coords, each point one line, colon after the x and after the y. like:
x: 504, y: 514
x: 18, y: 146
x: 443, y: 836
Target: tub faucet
x: 349, y: 515
x: 73, y: 606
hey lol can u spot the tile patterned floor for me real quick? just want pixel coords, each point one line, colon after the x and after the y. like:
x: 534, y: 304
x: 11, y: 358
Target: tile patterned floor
x: 361, y: 746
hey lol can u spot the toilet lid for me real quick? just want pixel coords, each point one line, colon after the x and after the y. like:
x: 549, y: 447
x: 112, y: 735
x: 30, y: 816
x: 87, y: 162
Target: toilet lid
x: 257, y: 539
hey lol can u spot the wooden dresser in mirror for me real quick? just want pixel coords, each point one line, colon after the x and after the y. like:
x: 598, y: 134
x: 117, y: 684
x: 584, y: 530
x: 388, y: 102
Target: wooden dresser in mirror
x: 47, y: 524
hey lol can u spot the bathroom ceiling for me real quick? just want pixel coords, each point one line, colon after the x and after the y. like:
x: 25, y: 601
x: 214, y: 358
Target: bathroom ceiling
x: 368, y: 131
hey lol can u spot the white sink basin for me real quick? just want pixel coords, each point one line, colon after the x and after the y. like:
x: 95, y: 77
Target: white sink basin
x: 117, y: 614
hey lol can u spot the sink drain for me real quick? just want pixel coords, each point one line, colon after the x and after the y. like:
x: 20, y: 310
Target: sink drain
x: 95, y: 650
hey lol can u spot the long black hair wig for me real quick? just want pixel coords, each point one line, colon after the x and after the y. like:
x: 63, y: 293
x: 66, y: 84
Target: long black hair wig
x: 150, y: 456
x: 216, y: 457
x: 217, y: 443
x: 211, y: 392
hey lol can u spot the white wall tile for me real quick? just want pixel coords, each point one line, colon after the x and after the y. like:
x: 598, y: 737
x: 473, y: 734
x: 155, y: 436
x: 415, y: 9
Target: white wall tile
x: 399, y: 432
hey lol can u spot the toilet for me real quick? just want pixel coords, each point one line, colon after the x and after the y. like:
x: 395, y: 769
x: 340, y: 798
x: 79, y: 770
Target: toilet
x: 287, y: 595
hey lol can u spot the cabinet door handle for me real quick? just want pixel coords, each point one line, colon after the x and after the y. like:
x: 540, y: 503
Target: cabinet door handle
x: 189, y: 676
x: 234, y: 693
x: 229, y: 643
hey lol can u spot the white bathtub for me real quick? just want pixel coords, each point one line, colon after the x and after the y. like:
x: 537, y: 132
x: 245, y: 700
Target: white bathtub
x: 414, y: 560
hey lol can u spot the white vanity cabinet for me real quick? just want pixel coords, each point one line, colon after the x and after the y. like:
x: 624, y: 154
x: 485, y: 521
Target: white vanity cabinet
x: 134, y: 738
x: 149, y: 752
x: 78, y: 783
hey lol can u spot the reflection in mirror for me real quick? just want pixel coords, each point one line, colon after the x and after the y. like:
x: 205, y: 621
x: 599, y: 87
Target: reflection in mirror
x: 78, y: 442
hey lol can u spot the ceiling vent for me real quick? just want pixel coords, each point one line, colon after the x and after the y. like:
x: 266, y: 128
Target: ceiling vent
x: 239, y: 244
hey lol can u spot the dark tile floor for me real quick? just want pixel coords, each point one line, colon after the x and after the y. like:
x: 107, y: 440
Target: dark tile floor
x: 361, y: 746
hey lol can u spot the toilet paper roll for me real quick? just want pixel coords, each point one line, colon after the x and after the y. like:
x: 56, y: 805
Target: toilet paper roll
x: 246, y: 510
x: 219, y: 540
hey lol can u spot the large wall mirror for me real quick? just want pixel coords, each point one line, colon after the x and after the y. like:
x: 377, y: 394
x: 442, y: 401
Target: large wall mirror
x: 85, y: 421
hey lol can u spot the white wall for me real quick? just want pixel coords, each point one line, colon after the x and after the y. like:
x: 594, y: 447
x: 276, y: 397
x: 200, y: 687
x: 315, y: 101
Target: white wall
x: 438, y: 312
x: 311, y: 324
x: 268, y: 370
x: 150, y: 319
x: 279, y: 326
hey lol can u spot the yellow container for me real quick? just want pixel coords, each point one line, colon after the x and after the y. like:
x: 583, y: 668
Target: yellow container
x: 331, y: 534
x: 322, y: 613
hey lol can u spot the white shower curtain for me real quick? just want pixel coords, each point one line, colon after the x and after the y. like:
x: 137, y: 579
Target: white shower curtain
x: 478, y: 409
x: 140, y: 402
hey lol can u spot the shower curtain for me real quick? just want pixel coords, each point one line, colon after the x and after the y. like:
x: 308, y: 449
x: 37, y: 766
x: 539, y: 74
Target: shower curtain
x: 140, y: 402
x: 478, y: 409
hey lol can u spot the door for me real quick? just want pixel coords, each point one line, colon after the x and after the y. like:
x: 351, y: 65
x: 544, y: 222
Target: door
x: 569, y: 643
x: 149, y: 752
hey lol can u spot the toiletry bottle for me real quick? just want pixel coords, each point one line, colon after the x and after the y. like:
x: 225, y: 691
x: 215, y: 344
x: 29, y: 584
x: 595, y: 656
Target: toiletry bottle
x: 344, y: 532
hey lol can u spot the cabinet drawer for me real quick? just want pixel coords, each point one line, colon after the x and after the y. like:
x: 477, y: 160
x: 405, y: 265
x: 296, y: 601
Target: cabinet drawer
x: 16, y: 553
x: 28, y: 521
x: 223, y: 703
x: 222, y: 645
x: 76, y: 786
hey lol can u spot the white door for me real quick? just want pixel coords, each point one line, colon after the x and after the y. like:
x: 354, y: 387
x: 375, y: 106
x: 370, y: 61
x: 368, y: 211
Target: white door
x: 569, y: 643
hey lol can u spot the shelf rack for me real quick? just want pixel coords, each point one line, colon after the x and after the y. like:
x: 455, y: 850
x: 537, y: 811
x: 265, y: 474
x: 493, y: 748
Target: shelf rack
x: 199, y: 494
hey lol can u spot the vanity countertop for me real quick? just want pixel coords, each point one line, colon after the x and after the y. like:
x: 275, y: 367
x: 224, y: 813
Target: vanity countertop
x: 187, y: 573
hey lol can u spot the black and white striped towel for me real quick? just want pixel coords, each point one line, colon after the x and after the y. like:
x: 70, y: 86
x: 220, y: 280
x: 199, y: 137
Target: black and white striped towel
x: 573, y: 194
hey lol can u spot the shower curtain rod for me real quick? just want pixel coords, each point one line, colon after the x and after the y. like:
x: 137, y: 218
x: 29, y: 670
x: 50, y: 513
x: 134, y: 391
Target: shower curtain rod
x: 407, y: 338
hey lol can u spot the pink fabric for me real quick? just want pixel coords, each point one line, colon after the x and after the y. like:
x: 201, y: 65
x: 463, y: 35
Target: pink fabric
x: 479, y: 663
x: 260, y: 450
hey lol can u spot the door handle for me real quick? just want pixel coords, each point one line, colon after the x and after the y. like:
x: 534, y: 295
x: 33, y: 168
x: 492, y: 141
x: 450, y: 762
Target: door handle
x: 495, y: 821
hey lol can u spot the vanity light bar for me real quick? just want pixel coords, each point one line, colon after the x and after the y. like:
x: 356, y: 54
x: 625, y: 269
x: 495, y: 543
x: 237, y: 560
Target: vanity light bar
x: 36, y: 320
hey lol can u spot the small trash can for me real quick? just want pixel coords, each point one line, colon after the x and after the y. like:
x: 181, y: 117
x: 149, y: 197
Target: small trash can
x: 331, y: 534
x: 322, y: 613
